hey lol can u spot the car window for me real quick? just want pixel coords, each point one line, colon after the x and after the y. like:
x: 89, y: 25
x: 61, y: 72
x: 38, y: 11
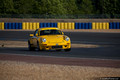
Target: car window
x: 35, y: 32
x: 50, y: 32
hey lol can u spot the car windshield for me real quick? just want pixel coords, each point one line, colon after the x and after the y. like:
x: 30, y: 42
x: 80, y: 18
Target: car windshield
x: 50, y: 32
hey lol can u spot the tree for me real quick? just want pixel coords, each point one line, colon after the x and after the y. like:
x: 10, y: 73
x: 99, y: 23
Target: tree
x: 85, y: 6
x: 70, y: 6
x: 109, y: 7
x: 60, y: 7
x: 24, y: 6
x: 53, y: 7
x: 7, y: 7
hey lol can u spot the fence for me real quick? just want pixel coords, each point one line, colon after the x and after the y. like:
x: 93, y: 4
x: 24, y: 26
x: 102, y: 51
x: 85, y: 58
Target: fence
x: 75, y: 16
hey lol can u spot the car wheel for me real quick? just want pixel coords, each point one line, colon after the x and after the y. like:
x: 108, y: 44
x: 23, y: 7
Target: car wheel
x: 29, y: 47
x: 67, y: 49
x: 58, y: 50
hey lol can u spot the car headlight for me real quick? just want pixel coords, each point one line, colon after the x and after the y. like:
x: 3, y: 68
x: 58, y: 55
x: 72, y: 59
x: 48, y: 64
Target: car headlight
x: 67, y: 38
x: 43, y: 40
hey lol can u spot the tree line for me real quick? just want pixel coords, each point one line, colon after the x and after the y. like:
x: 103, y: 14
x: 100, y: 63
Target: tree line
x: 60, y: 7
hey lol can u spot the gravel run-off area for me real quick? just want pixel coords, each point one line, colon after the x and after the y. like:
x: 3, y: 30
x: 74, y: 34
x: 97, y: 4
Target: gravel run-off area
x: 11, y: 70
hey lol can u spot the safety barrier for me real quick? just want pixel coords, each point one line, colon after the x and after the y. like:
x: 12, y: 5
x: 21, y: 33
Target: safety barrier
x: 30, y: 25
x: 68, y: 25
x: 13, y: 25
x: 83, y: 25
x: 48, y: 25
x: 60, y: 25
x: 1, y: 25
x: 114, y: 25
x: 100, y: 25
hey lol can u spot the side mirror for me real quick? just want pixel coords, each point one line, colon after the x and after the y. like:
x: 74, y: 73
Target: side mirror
x: 31, y: 35
x: 36, y: 34
x: 62, y: 33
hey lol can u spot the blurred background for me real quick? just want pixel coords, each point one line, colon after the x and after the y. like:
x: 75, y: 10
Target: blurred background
x: 60, y: 9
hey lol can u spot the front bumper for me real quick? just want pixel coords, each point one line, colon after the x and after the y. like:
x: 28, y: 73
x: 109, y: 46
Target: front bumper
x: 55, y: 46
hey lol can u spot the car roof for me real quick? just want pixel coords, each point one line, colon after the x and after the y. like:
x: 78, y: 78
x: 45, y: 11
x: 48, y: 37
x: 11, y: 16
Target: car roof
x: 46, y: 28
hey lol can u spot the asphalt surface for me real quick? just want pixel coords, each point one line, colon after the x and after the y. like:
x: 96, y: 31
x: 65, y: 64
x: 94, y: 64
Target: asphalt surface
x: 109, y: 45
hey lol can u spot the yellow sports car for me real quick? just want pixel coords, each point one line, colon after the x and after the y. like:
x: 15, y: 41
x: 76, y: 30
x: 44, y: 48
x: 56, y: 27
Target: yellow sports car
x: 49, y: 39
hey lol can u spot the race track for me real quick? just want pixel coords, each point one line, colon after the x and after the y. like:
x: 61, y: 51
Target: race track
x: 109, y: 45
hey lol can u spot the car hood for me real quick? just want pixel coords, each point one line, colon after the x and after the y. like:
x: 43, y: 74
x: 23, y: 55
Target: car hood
x: 53, y: 38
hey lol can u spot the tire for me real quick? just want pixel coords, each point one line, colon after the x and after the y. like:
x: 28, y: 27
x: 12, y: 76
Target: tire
x: 29, y: 47
x: 58, y: 50
x: 66, y: 50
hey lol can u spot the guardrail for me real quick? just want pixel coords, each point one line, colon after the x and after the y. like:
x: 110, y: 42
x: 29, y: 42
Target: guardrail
x: 114, y: 25
x: 12, y: 25
x: 30, y: 25
x: 66, y: 25
x: 100, y: 25
x: 60, y: 25
x: 83, y: 25
x: 48, y: 25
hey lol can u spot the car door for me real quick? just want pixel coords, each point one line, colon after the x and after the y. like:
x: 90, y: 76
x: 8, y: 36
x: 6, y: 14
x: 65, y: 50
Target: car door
x: 34, y: 38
